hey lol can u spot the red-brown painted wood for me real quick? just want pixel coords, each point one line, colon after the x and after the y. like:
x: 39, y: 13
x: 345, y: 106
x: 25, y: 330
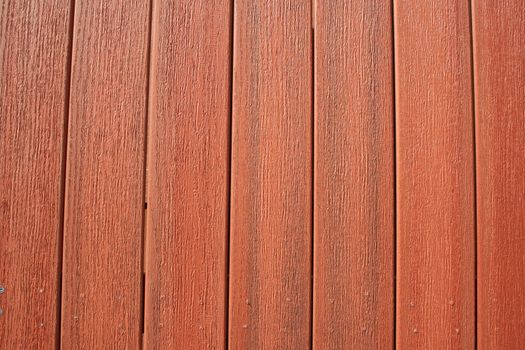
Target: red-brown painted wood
x: 435, y: 176
x: 312, y: 162
x: 499, y: 62
x: 102, y: 272
x: 188, y: 175
x: 33, y: 73
x: 354, y: 176
x: 271, y: 199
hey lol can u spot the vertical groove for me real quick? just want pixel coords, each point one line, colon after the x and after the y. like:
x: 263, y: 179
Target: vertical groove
x: 312, y: 212
x: 475, y: 185
x: 229, y: 184
x: 394, y: 154
x: 63, y: 170
x: 145, y: 174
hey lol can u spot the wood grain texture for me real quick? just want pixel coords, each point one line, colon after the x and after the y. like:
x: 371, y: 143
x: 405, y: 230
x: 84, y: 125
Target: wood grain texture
x: 354, y: 176
x: 270, y: 260
x: 188, y: 175
x: 435, y: 176
x: 102, y: 271
x: 33, y: 72
x: 499, y: 62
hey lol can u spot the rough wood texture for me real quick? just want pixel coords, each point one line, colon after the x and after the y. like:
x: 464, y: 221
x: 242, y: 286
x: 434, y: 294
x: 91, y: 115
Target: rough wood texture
x: 354, y: 176
x: 101, y: 299
x: 499, y: 61
x: 33, y: 73
x: 188, y: 175
x: 271, y: 176
x: 435, y: 175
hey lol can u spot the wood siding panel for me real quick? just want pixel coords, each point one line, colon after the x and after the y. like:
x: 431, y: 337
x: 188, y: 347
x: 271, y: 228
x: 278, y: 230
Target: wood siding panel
x: 188, y: 175
x: 102, y: 273
x: 271, y: 203
x: 435, y: 176
x: 34, y: 44
x: 262, y: 174
x: 499, y: 61
x: 354, y: 176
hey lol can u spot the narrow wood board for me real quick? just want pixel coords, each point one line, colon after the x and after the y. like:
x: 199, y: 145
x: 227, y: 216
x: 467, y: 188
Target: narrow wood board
x: 34, y: 44
x: 354, y: 176
x: 271, y: 203
x: 435, y: 176
x: 499, y: 62
x: 102, y: 271
x: 188, y: 175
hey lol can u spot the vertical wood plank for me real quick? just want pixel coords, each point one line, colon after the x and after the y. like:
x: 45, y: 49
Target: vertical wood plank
x: 435, y: 175
x: 188, y: 175
x: 102, y: 268
x: 499, y: 61
x: 270, y: 260
x: 33, y: 72
x: 354, y: 176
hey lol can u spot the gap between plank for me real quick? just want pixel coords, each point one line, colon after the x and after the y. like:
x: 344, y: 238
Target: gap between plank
x: 145, y: 175
x: 394, y: 151
x: 474, y: 172
x: 229, y: 183
x: 312, y: 189
x: 63, y: 182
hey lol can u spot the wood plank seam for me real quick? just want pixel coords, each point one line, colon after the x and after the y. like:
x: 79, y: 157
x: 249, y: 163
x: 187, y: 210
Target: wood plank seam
x: 394, y: 155
x: 67, y: 94
x: 474, y: 171
x: 145, y: 174
x: 229, y: 183
x: 312, y: 157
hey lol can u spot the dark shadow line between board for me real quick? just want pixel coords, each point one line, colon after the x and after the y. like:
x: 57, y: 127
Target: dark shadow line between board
x: 394, y: 154
x: 229, y: 181
x: 474, y: 172
x: 63, y: 170
x: 145, y: 176
x: 312, y: 179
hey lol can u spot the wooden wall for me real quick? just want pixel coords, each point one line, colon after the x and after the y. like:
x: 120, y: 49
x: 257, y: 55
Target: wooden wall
x: 262, y: 174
